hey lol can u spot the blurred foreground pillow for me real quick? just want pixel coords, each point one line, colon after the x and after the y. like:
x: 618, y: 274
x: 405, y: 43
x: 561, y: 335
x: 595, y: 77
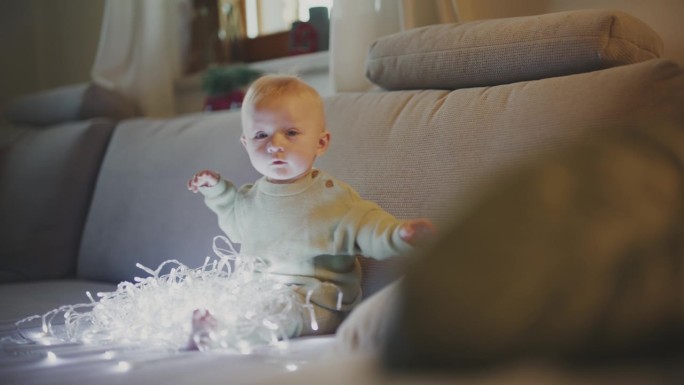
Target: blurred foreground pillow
x: 577, y: 257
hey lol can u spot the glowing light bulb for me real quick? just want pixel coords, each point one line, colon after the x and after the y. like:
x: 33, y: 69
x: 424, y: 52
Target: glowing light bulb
x: 51, y: 357
x: 247, y: 309
x: 123, y: 366
x: 270, y: 325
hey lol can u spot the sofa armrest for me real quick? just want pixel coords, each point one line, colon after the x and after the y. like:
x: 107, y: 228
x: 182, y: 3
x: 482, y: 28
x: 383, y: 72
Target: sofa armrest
x: 47, y: 179
x: 69, y: 103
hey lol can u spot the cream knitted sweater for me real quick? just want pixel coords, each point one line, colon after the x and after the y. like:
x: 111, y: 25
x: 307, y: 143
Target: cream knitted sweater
x: 307, y: 232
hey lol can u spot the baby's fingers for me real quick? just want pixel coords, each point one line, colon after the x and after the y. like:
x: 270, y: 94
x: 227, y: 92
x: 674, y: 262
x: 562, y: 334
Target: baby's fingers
x: 192, y: 184
x: 204, y: 178
x: 417, y: 231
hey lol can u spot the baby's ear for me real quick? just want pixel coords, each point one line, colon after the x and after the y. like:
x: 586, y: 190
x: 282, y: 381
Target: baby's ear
x: 243, y: 140
x: 323, y: 142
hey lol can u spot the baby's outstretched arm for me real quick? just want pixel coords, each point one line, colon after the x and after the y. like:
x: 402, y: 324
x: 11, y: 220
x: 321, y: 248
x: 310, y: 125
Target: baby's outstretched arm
x: 204, y: 178
x: 417, y: 231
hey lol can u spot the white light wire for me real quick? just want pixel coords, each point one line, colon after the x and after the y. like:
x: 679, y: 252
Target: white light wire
x: 236, y: 307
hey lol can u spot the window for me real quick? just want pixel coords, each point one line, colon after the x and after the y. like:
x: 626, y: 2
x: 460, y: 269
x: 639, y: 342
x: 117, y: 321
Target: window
x: 232, y: 31
x: 264, y: 17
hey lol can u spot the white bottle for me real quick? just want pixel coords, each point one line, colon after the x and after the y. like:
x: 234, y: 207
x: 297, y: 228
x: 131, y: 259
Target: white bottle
x: 355, y: 24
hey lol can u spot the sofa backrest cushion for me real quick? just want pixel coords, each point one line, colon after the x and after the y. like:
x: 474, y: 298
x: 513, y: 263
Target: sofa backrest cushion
x: 500, y: 51
x: 46, y: 183
x: 142, y: 211
x: 67, y: 104
x: 416, y: 153
x: 425, y: 153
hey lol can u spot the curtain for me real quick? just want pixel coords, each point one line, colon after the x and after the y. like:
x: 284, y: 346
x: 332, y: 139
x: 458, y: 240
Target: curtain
x: 141, y: 49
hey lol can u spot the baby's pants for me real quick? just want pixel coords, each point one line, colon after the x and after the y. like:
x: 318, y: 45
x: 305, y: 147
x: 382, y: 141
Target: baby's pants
x: 326, y: 320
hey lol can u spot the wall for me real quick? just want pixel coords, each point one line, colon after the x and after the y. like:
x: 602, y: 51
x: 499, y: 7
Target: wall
x: 664, y: 16
x: 46, y: 43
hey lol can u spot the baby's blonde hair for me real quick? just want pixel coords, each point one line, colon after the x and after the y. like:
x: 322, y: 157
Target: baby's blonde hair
x: 269, y: 87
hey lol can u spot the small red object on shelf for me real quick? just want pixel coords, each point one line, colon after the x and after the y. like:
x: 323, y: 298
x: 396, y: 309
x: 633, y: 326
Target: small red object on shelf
x: 303, y: 38
x: 228, y: 101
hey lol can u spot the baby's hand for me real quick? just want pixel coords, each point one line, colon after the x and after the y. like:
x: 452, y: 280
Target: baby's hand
x: 417, y: 231
x: 204, y: 178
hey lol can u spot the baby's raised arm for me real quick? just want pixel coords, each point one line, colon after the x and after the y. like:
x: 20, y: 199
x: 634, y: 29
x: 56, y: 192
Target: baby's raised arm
x: 204, y: 178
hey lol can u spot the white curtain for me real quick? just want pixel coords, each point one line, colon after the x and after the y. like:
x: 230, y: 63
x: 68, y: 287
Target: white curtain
x: 140, y: 52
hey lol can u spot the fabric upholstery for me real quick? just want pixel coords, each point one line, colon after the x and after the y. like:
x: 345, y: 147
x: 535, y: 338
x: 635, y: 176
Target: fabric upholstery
x: 376, y: 274
x: 368, y: 326
x: 142, y: 211
x: 46, y: 183
x: 575, y: 257
x: 423, y: 153
x: 500, y: 51
x: 45, y: 295
x: 69, y: 103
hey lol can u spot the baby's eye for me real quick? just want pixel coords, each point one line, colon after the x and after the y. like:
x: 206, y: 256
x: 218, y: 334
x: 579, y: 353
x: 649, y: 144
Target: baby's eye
x: 260, y: 135
x: 292, y: 132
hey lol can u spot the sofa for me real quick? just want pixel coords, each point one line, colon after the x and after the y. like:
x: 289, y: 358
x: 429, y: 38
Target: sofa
x: 473, y: 125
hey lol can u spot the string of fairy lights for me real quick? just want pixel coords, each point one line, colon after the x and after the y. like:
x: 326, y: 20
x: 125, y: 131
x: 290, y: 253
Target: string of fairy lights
x: 248, y: 310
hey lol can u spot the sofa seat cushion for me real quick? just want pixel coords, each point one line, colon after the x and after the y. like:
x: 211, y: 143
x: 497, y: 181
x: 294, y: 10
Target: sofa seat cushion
x: 501, y: 51
x: 25, y: 299
x: 116, y: 365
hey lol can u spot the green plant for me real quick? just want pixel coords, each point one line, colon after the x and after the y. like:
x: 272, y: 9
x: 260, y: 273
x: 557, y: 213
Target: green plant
x: 222, y: 80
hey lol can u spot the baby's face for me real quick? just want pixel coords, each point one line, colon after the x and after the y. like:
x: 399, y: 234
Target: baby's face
x: 283, y: 137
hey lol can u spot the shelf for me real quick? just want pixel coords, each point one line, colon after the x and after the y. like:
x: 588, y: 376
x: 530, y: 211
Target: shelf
x: 313, y: 68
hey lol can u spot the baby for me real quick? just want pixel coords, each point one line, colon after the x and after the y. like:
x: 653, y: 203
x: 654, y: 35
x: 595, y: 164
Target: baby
x: 306, y: 225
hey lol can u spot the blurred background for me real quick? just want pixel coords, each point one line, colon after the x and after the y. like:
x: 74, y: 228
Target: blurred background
x: 160, y: 53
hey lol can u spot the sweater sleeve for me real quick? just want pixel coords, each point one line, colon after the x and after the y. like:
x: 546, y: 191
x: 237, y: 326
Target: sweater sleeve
x: 371, y: 231
x: 221, y: 199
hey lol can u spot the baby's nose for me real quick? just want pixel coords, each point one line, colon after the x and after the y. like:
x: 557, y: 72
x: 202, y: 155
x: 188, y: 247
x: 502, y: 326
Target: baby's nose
x: 275, y: 145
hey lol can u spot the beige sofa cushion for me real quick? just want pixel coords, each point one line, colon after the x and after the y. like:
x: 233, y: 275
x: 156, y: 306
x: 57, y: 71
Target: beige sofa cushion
x: 426, y: 152
x: 416, y: 152
x: 576, y: 257
x: 500, y: 51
